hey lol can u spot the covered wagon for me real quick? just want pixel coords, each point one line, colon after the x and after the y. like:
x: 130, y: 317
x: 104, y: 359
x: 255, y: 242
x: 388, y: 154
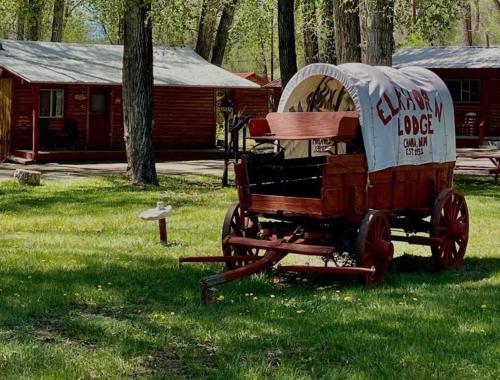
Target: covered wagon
x: 361, y: 156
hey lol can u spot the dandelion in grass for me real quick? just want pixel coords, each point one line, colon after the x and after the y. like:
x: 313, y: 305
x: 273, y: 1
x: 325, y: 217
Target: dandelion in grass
x: 272, y: 296
x: 220, y: 298
x: 348, y: 299
x: 300, y: 311
x: 484, y: 306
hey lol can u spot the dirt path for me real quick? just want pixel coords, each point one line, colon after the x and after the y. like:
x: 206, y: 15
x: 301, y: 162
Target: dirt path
x: 65, y: 171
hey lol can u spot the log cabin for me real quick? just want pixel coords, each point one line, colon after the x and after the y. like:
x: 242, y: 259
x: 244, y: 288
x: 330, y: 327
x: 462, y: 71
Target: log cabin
x: 64, y: 102
x: 251, y: 102
x: 472, y: 74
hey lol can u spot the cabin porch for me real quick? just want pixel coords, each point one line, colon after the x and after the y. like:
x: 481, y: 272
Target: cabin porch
x: 29, y: 156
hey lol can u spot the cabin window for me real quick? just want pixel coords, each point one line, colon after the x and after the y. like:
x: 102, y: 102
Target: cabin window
x: 51, y: 103
x: 465, y: 90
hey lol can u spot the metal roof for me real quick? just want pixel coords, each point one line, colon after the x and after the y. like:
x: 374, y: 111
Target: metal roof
x: 49, y: 62
x: 449, y: 57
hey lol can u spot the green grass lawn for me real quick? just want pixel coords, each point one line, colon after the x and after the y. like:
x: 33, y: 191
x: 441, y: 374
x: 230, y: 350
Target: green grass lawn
x: 86, y: 291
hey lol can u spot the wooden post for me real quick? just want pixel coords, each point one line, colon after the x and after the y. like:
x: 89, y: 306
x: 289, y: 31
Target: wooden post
x: 163, y: 231
x: 36, y: 119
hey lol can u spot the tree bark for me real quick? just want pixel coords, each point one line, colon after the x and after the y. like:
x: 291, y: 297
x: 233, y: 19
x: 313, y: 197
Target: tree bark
x: 311, y: 48
x: 467, y: 24
x: 58, y: 21
x: 286, y: 40
x: 206, y: 28
x: 121, y: 30
x: 138, y: 92
x: 347, y: 32
x: 377, y: 31
x: 497, y: 4
x: 225, y: 24
x: 328, y: 26
x: 35, y: 8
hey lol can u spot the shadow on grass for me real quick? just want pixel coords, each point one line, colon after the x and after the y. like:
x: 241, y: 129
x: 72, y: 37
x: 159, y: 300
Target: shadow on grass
x: 50, y: 307
x: 109, y: 190
x: 477, y: 186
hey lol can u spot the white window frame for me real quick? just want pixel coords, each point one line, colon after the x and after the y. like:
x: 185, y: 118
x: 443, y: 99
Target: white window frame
x: 53, y: 98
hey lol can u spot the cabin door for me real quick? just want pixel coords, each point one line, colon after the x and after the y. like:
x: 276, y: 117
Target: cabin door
x: 99, y: 137
x: 5, y: 116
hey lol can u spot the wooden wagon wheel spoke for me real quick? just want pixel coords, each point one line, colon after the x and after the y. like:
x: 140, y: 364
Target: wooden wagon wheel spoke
x: 235, y: 225
x: 450, y: 223
x: 373, y: 245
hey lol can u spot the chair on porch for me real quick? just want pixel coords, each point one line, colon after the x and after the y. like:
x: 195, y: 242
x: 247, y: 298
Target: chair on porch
x: 47, y: 137
x: 471, y: 132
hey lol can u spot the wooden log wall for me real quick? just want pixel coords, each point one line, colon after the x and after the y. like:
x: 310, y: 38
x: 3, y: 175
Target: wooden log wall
x: 183, y: 117
x: 21, y: 129
x: 252, y: 102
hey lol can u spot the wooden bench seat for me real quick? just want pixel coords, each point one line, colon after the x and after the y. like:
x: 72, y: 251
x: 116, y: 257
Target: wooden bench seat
x: 339, y: 126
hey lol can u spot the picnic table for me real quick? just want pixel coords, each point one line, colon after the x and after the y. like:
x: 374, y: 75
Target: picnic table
x: 491, y: 154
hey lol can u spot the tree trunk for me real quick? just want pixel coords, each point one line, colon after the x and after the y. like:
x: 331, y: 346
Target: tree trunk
x: 225, y: 23
x: 286, y: 40
x: 21, y: 19
x: 467, y: 24
x: 377, y: 31
x: 477, y: 24
x: 311, y: 49
x: 347, y: 33
x: 206, y: 28
x: 121, y: 30
x: 328, y: 26
x: 58, y: 21
x: 138, y: 92
x: 497, y: 4
x: 35, y: 12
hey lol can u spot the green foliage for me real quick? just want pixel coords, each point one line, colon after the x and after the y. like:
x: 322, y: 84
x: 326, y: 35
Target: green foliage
x: 87, y: 291
x: 249, y: 45
x: 175, y: 22
x: 8, y: 13
x: 433, y: 22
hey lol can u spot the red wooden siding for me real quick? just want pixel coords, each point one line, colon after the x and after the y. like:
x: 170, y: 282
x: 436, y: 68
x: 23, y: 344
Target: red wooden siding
x: 117, y: 140
x: 253, y: 102
x: 21, y: 130
x: 488, y: 110
x: 493, y: 127
x: 183, y: 117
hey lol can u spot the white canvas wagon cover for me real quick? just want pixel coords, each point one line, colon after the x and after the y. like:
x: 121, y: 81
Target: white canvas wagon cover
x: 406, y: 115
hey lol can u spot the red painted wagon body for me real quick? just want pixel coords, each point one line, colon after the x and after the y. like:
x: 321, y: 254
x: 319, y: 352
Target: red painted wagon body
x: 344, y: 202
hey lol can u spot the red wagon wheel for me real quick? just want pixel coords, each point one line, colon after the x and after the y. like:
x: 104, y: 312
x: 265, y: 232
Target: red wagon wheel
x: 373, y: 245
x: 235, y: 225
x: 450, y: 223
